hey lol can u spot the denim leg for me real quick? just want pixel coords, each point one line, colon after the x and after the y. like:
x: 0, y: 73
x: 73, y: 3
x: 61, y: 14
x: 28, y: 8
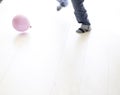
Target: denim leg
x: 80, y: 12
x: 63, y: 3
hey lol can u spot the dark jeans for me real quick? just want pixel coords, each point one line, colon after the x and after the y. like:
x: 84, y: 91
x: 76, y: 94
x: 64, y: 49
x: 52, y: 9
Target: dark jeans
x: 80, y: 12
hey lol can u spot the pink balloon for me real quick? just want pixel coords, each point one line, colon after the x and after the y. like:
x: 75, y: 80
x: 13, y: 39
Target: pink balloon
x: 20, y: 23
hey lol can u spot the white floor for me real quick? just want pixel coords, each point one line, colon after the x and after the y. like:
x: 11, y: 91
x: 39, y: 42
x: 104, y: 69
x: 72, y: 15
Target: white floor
x: 51, y: 58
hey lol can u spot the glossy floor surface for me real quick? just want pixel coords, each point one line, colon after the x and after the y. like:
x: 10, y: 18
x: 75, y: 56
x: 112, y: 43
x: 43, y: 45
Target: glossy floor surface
x: 51, y: 58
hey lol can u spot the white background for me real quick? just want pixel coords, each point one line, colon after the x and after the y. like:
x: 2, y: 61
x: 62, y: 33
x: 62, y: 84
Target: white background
x: 51, y: 58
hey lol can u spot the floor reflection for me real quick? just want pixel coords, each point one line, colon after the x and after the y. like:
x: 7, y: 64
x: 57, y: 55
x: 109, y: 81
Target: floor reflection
x: 21, y: 39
